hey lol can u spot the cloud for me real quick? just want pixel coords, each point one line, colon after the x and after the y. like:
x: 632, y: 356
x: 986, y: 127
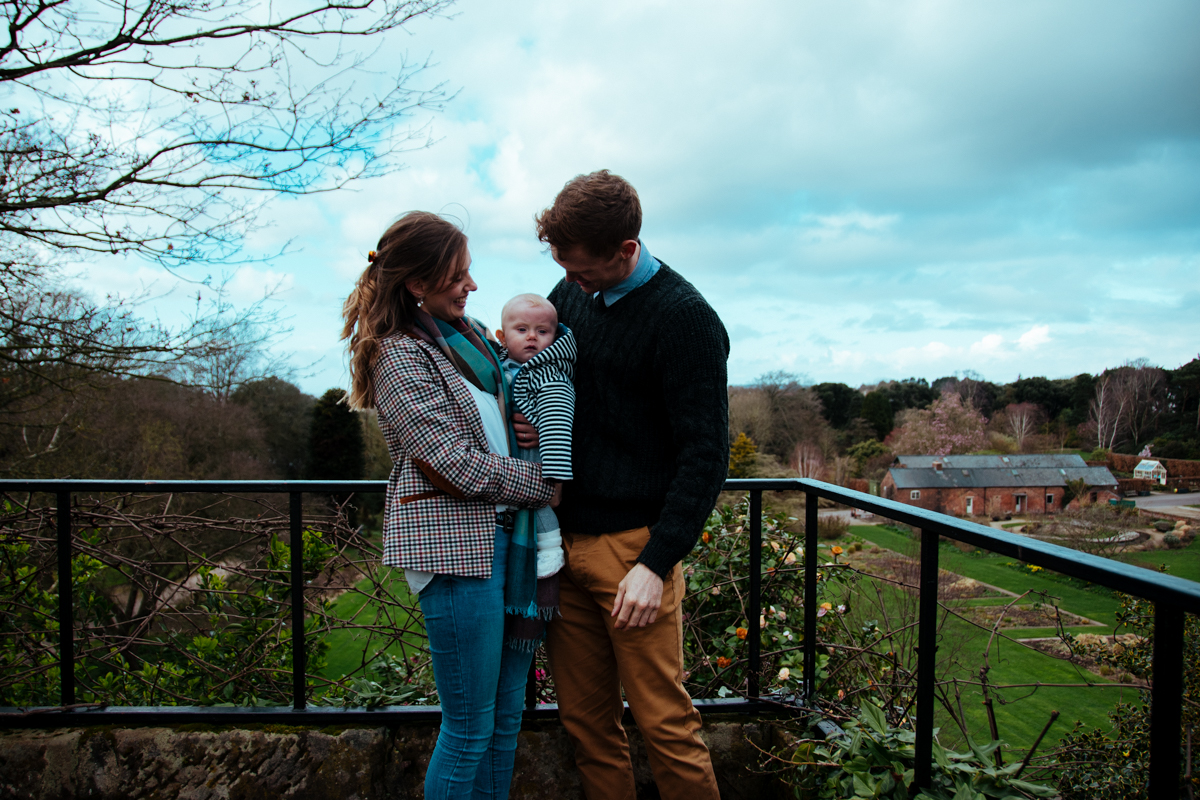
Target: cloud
x: 861, y: 190
x: 1034, y: 338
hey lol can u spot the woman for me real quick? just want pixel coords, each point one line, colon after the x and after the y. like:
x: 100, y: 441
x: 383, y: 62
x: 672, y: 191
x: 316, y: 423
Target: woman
x: 436, y: 382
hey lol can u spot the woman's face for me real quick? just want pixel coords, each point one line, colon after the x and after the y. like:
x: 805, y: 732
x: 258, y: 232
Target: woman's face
x: 449, y: 301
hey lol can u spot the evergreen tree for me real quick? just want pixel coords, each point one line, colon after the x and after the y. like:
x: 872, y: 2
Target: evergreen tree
x: 839, y: 403
x: 877, y: 411
x: 909, y: 393
x: 741, y: 456
x: 335, y: 449
x: 285, y: 415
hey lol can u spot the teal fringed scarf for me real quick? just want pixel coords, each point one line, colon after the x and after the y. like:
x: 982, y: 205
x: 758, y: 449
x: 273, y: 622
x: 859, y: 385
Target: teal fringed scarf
x: 529, y: 602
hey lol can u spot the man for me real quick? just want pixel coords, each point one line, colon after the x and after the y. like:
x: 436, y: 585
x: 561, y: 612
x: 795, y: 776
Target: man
x: 650, y: 445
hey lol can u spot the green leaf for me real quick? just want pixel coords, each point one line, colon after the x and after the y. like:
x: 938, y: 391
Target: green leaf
x: 1033, y: 788
x: 873, y: 716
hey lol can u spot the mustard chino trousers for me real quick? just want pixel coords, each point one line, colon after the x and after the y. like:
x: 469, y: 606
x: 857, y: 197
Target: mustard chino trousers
x: 591, y: 661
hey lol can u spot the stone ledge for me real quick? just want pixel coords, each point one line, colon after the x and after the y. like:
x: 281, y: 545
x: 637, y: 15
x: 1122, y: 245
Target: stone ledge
x: 201, y: 762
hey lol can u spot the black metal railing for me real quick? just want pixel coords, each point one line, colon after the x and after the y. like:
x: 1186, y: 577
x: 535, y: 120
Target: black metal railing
x: 1172, y: 598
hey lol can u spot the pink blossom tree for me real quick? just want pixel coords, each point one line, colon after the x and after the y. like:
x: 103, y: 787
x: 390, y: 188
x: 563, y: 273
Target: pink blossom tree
x: 948, y: 427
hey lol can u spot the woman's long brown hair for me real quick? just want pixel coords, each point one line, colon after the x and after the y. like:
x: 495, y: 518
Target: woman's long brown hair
x: 420, y: 247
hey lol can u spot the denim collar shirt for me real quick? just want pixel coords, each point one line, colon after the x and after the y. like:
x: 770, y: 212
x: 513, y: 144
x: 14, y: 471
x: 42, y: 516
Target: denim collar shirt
x: 643, y: 271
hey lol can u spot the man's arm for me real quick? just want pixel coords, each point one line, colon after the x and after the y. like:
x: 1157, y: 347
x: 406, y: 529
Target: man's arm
x: 691, y: 357
x: 692, y: 352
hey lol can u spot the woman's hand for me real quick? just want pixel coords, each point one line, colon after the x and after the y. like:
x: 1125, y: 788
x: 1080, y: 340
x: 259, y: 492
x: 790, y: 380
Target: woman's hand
x: 527, y: 435
x: 557, y: 498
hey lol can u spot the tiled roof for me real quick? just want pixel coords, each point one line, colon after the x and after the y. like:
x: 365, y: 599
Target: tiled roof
x: 1018, y: 471
x: 1031, y: 460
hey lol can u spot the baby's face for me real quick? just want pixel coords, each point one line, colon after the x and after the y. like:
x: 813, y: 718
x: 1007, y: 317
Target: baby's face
x: 528, y: 330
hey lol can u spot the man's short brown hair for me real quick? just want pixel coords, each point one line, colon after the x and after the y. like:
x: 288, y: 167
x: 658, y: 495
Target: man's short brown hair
x: 597, y: 211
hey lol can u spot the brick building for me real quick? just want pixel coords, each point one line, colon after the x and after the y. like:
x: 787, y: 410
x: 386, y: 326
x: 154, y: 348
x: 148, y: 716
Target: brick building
x: 993, y: 485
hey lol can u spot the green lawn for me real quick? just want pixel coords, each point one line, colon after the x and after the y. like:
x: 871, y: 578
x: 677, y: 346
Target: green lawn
x: 1183, y: 563
x: 991, y: 569
x: 1022, y: 711
x: 1025, y: 710
x: 351, y: 647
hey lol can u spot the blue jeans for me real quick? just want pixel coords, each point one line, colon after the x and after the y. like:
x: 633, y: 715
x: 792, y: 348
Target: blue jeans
x: 480, y: 682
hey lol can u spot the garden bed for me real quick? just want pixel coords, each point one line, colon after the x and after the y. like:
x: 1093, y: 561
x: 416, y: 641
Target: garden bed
x: 1058, y: 649
x: 892, y: 566
x: 1024, y: 616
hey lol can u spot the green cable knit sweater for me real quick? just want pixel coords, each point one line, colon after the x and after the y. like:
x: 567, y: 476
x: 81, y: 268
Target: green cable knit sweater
x: 650, y: 442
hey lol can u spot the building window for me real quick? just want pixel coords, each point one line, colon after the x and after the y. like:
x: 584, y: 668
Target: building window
x: 1049, y: 500
x: 1094, y: 496
x: 915, y: 494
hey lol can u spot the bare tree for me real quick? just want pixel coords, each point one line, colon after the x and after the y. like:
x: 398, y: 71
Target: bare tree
x: 1108, y: 409
x: 1128, y: 402
x: 149, y: 126
x: 794, y: 414
x: 1147, y: 386
x: 1023, y: 421
x: 158, y: 129
x: 808, y: 460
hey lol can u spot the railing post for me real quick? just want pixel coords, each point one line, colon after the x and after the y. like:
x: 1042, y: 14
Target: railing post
x: 296, y: 518
x: 1166, y: 702
x: 810, y: 599
x: 531, y: 686
x: 926, y: 659
x: 66, y: 604
x: 755, y: 635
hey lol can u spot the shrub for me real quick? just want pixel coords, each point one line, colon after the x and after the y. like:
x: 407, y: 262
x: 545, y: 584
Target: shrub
x: 1172, y: 541
x: 872, y: 758
x: 715, y: 622
x: 1163, y: 525
x: 831, y: 528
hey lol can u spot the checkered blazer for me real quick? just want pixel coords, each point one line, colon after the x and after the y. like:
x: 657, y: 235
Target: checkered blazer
x: 441, y: 497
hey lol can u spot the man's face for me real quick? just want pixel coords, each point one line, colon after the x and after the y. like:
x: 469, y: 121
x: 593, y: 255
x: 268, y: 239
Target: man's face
x: 592, y: 273
x: 529, y: 329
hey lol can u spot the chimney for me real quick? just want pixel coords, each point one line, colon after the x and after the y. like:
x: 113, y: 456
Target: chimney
x: 937, y: 466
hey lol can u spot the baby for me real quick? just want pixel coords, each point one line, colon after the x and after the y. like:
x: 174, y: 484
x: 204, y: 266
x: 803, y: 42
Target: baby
x: 541, y: 364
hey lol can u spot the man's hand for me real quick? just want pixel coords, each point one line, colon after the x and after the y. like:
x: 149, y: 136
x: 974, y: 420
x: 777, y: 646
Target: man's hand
x: 639, y: 595
x: 527, y: 435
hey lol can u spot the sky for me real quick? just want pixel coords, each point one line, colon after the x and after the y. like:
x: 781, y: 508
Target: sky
x: 862, y: 190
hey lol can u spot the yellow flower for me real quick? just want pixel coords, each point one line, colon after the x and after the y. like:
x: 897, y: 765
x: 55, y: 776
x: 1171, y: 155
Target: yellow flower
x: 827, y: 606
x: 790, y: 558
x: 723, y: 662
x: 784, y: 674
x: 837, y: 551
x: 704, y: 537
x: 741, y: 633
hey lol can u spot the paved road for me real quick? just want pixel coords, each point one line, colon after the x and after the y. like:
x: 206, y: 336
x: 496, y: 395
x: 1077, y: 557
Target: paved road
x: 1171, y: 503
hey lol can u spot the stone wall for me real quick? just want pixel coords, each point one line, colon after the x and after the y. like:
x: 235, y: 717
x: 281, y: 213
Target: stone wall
x: 270, y: 761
